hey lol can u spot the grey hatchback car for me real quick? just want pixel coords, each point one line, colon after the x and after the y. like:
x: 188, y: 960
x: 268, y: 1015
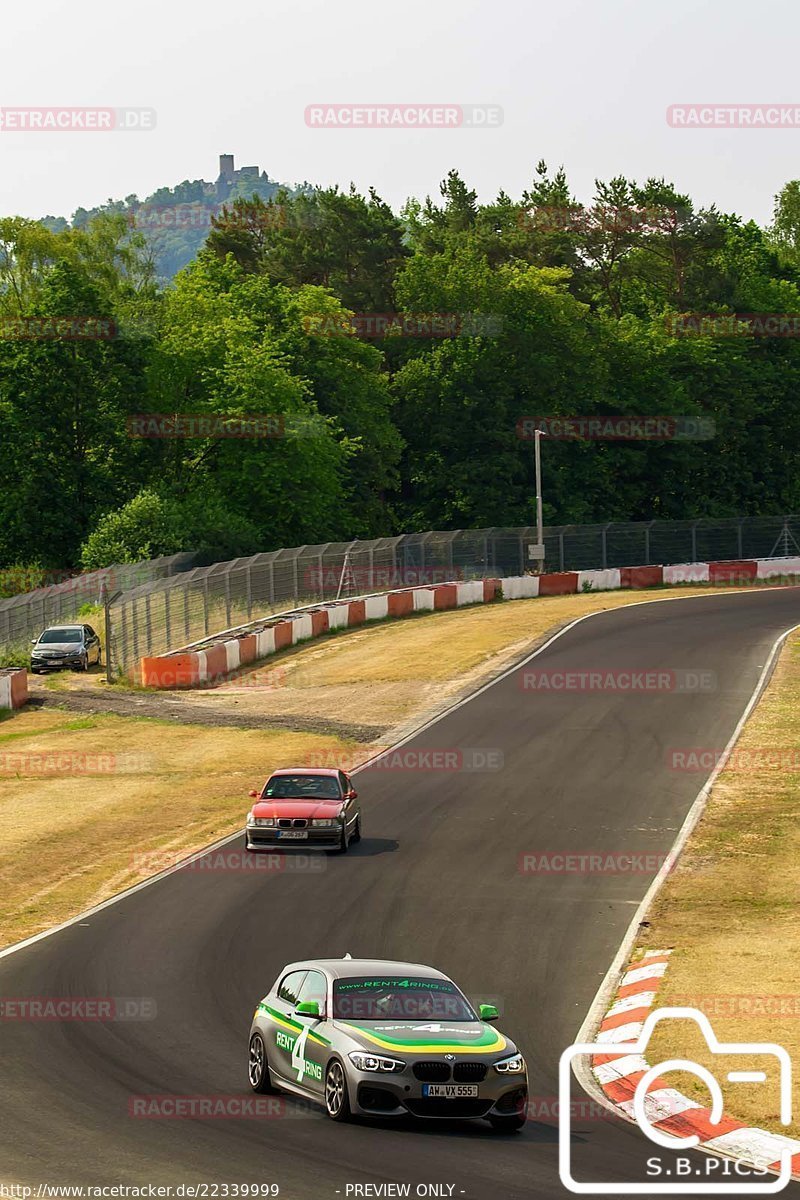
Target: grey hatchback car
x: 58, y: 646
x: 385, y: 1039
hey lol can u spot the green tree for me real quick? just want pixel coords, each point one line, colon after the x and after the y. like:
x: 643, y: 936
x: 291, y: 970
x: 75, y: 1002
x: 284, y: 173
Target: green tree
x: 339, y: 240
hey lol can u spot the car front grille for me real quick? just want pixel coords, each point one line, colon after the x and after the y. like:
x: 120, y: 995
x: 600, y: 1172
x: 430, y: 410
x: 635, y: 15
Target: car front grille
x: 432, y: 1072
x: 469, y: 1072
x: 448, y: 1108
x: 292, y: 823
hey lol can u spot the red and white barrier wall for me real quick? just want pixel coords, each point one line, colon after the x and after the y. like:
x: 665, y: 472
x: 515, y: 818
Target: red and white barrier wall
x: 191, y: 668
x: 13, y: 687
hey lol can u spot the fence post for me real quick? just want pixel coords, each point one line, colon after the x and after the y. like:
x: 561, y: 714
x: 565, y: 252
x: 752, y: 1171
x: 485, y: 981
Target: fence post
x: 249, y: 590
x: 205, y: 604
x: 167, y: 623
x: 561, y: 550
x: 272, y: 583
x: 186, y: 613
x: 604, y: 543
x: 148, y: 627
x: 227, y: 599
x: 107, y: 616
x: 123, y: 660
x: 694, y: 541
x: 739, y: 540
x: 135, y: 632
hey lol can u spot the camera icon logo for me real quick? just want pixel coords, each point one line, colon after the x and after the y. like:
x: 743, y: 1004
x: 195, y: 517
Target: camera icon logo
x: 772, y: 1062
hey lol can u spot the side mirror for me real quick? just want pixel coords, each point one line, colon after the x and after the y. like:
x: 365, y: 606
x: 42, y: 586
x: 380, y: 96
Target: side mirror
x: 34, y: 641
x: 488, y: 1012
x: 309, y: 1008
x: 252, y: 793
x: 352, y: 794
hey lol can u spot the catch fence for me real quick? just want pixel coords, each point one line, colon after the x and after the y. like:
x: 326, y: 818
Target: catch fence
x: 179, y: 610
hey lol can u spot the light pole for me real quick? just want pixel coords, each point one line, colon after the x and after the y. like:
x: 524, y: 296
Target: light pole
x: 538, y: 434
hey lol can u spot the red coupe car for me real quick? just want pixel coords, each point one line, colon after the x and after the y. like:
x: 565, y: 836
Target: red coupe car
x: 304, y: 808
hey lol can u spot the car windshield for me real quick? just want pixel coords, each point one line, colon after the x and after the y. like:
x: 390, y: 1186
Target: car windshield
x: 60, y: 635
x: 301, y: 787
x: 399, y: 998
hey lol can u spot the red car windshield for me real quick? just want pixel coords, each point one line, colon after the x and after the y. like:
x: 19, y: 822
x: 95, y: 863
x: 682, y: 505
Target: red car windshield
x: 377, y: 998
x: 302, y: 787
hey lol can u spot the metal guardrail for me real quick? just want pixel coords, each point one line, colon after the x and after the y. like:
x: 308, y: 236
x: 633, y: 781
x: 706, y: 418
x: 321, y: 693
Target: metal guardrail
x: 164, y: 613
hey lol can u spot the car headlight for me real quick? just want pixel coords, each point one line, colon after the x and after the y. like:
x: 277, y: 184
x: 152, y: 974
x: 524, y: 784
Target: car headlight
x: 514, y: 1065
x: 268, y: 821
x: 324, y: 822
x: 374, y: 1062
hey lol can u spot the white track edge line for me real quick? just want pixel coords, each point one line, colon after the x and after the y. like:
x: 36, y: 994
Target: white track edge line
x: 611, y: 980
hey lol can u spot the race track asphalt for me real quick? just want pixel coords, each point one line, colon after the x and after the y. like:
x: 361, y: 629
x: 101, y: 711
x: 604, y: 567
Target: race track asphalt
x: 436, y: 879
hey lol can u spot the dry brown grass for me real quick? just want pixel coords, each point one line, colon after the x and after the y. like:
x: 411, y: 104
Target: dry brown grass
x: 75, y: 830
x: 730, y: 909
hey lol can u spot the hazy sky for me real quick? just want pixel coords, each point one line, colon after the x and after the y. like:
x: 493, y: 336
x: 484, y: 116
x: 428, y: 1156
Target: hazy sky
x: 583, y: 84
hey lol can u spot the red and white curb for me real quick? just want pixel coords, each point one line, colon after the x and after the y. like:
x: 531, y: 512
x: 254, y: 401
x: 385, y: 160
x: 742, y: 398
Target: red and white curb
x: 13, y: 687
x: 668, y: 1110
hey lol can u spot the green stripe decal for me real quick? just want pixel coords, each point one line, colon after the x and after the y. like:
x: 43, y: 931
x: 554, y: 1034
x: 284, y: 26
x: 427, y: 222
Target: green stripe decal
x: 294, y: 1026
x: 489, y: 1039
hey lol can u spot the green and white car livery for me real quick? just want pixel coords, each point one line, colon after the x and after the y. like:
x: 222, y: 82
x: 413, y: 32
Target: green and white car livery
x: 370, y: 1037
